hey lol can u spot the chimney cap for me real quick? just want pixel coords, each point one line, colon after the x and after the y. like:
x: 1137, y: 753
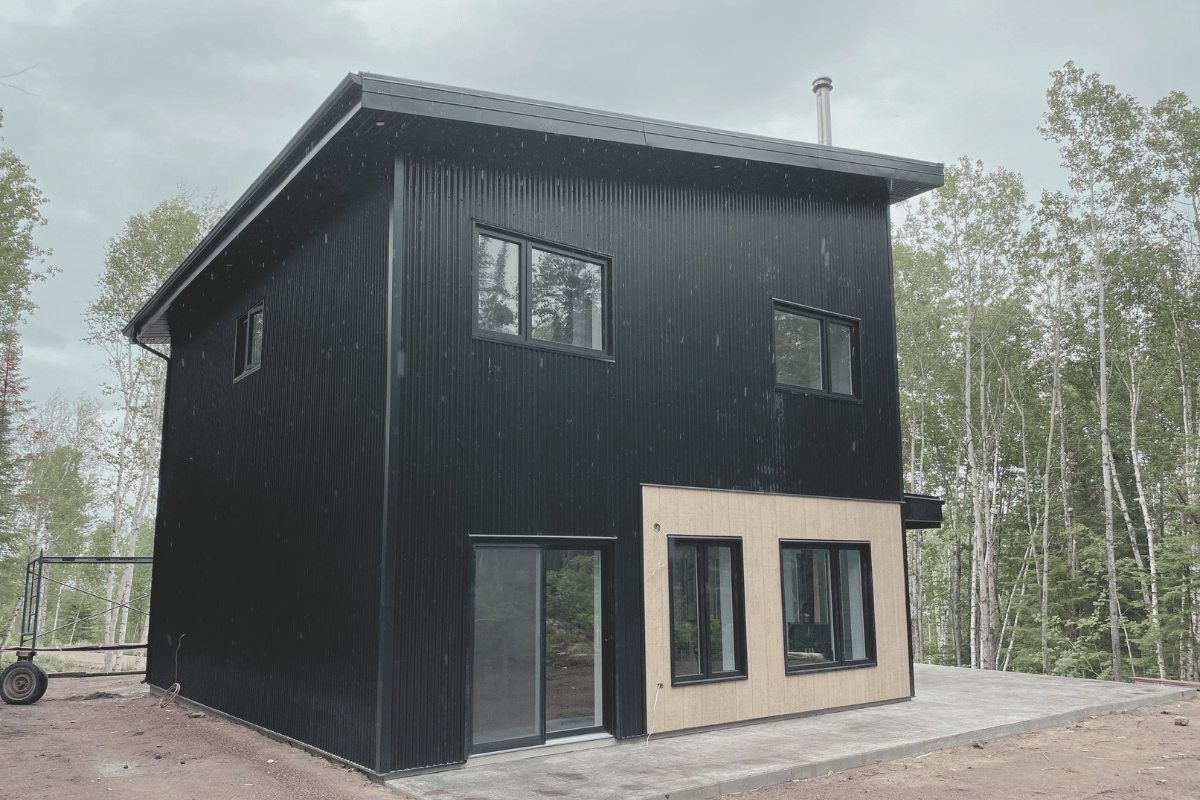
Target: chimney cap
x: 822, y: 83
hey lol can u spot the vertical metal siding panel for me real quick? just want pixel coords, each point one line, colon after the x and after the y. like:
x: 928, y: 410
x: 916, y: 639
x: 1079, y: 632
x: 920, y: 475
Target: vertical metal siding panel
x: 270, y: 499
x: 504, y: 439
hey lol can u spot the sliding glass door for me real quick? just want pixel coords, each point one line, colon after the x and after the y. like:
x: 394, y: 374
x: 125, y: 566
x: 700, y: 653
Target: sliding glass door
x: 538, y: 645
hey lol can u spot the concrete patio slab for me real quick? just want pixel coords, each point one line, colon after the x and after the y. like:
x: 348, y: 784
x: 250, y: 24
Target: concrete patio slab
x: 952, y: 707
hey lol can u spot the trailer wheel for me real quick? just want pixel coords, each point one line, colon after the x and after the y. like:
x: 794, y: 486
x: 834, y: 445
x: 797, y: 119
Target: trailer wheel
x: 23, y: 683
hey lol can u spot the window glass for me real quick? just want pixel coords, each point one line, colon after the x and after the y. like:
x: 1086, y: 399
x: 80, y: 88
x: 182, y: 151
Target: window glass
x: 826, y: 605
x: 685, y: 602
x: 499, y: 285
x: 797, y: 350
x: 256, y: 340
x: 567, y: 297
x: 841, y: 378
x: 722, y: 624
x: 854, y: 636
x: 807, y: 607
x: 574, y: 641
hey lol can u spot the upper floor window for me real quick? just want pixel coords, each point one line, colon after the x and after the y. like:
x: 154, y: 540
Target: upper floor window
x: 540, y: 293
x: 816, y: 351
x: 248, y: 342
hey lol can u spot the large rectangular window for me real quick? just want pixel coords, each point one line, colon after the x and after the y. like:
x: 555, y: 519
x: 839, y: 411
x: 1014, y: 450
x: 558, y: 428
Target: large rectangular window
x: 540, y: 294
x: 827, y: 610
x: 708, y: 640
x: 815, y: 351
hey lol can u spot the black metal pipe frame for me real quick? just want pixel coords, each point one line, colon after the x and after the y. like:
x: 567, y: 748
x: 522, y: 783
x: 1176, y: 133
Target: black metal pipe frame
x: 30, y: 617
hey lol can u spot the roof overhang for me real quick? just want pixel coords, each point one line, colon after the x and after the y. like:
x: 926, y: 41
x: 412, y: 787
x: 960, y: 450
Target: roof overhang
x: 922, y: 511
x: 369, y: 95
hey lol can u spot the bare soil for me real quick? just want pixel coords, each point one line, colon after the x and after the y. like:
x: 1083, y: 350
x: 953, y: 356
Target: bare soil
x: 107, y: 737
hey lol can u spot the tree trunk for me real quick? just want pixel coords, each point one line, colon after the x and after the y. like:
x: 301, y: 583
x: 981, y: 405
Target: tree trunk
x: 1106, y: 460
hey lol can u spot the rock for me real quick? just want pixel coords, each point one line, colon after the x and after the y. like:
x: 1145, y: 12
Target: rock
x: 978, y: 743
x: 196, y: 714
x: 1181, y: 720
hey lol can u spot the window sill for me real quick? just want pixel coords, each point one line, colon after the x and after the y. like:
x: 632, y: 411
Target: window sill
x: 845, y: 398
x: 248, y: 372
x: 542, y: 346
x: 703, y: 681
x: 829, y: 668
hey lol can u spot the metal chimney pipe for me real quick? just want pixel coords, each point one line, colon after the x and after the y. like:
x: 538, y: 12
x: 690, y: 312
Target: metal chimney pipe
x: 821, y: 88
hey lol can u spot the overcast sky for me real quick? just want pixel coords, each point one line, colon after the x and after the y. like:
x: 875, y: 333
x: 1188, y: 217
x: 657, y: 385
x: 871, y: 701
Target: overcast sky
x: 126, y: 100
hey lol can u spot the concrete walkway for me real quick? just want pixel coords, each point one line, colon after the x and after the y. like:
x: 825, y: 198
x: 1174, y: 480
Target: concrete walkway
x: 952, y: 707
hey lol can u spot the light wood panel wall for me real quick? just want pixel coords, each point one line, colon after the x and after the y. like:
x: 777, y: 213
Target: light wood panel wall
x: 761, y: 521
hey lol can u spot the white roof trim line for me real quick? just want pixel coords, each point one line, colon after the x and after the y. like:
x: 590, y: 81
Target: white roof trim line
x: 250, y: 217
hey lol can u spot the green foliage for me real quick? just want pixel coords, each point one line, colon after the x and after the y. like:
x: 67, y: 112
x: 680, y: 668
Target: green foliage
x: 143, y: 256
x: 20, y: 216
x: 1020, y: 293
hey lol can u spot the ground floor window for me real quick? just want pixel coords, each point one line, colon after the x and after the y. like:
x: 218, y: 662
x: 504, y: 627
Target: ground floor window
x: 708, y: 630
x: 827, y: 608
x: 538, y: 657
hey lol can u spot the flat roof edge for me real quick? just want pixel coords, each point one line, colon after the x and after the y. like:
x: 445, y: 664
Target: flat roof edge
x: 445, y: 102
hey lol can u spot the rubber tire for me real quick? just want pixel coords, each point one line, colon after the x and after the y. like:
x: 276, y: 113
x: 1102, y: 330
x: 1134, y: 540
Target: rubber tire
x: 23, y: 683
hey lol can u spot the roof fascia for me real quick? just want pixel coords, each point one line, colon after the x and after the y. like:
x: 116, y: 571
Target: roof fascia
x: 443, y: 102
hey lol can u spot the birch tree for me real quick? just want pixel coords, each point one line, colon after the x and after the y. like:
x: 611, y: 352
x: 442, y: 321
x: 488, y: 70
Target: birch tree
x: 1097, y: 128
x: 973, y: 224
x: 138, y: 261
x: 57, y: 483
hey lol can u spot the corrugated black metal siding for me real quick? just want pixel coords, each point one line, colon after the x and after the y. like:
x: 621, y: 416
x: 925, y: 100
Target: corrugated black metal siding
x: 266, y: 582
x: 499, y: 439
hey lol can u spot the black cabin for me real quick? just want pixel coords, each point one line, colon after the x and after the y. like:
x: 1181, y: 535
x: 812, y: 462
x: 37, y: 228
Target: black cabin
x: 492, y: 423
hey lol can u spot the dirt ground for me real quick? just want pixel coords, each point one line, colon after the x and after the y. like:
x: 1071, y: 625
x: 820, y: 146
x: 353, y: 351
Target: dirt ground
x: 108, y: 737
x: 91, y: 738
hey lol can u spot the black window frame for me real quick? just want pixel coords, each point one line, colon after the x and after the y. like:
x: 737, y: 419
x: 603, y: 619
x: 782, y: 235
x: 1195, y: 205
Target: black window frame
x: 739, y: 596
x: 525, y: 337
x: 868, y: 600
x: 244, y: 361
x: 824, y: 318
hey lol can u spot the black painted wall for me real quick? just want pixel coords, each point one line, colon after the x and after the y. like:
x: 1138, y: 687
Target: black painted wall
x: 499, y: 439
x: 268, y: 541
x: 313, y: 601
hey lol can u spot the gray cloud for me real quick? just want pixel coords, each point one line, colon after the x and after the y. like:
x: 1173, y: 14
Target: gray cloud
x: 135, y: 98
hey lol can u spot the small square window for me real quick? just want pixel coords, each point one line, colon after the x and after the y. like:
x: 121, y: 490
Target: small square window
x: 827, y: 610
x: 248, y: 343
x: 816, y: 352
x: 708, y: 640
x: 540, y: 294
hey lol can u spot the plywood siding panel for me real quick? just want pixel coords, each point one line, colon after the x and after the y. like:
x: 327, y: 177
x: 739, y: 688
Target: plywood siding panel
x: 761, y: 521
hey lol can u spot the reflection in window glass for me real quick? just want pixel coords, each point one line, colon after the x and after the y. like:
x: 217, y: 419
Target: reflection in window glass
x: 841, y: 380
x: 807, y: 607
x: 574, y: 658
x: 256, y: 340
x: 685, y: 625
x: 797, y: 350
x: 854, y: 629
x: 722, y: 626
x: 567, y: 300
x: 499, y: 285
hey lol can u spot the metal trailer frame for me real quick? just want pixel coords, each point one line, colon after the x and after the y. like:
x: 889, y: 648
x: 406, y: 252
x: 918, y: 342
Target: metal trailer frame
x: 31, y: 612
